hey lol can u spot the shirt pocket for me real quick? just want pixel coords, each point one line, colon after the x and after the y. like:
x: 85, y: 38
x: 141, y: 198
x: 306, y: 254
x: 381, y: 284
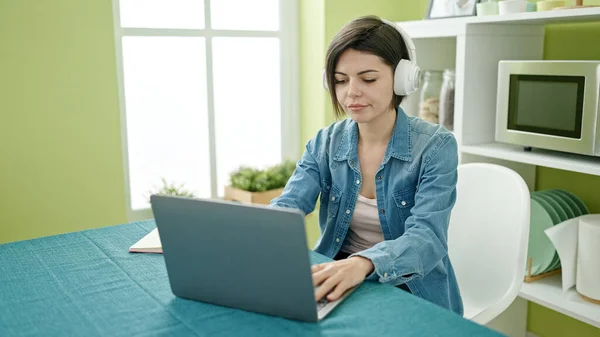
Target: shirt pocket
x: 404, y: 201
x: 333, y: 203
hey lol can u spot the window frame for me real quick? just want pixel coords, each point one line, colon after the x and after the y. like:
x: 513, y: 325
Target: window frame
x: 289, y: 85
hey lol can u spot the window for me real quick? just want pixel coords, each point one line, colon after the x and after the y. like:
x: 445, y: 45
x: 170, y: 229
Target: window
x: 205, y: 87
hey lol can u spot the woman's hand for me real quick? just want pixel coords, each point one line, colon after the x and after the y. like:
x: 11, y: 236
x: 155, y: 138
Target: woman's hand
x: 339, y: 276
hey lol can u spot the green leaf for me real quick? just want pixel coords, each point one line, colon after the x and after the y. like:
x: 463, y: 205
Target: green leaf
x: 168, y: 188
x: 255, y: 180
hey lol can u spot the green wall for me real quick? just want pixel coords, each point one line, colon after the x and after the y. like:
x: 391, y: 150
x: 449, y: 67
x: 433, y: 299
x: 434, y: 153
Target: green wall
x: 312, y: 53
x: 60, y: 138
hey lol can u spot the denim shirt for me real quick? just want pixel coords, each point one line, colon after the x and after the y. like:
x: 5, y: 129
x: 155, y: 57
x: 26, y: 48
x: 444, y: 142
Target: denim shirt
x: 416, y: 190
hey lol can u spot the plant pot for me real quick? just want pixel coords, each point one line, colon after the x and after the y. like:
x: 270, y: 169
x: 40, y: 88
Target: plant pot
x: 245, y: 197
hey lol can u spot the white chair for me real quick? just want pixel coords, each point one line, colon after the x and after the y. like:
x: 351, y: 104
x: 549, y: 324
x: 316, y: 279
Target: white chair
x: 488, y: 238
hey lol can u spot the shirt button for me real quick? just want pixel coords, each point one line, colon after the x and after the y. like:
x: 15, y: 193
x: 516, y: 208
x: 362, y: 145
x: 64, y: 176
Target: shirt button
x: 352, y: 162
x: 332, y: 198
x: 337, y: 240
x: 357, y: 182
x: 347, y: 211
x: 383, y: 211
x: 385, y: 274
x: 403, y: 203
x: 379, y: 177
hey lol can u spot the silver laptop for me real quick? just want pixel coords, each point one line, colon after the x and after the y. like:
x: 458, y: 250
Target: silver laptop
x: 248, y: 257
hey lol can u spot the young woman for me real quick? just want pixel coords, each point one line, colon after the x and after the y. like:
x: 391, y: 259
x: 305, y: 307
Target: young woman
x: 386, y: 181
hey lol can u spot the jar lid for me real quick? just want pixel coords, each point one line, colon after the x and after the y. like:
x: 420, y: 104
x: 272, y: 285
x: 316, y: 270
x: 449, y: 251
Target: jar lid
x: 432, y: 73
x: 449, y: 73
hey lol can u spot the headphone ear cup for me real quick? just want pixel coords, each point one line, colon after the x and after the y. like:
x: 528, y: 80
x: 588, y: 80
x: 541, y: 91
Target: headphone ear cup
x: 407, y: 78
x: 325, y: 80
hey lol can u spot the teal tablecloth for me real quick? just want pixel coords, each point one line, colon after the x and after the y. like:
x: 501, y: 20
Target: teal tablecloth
x: 88, y: 284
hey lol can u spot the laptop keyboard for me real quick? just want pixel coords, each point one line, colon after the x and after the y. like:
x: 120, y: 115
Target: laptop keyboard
x: 322, y: 303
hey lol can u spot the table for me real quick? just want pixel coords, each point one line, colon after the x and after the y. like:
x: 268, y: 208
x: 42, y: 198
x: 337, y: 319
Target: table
x: 87, y: 284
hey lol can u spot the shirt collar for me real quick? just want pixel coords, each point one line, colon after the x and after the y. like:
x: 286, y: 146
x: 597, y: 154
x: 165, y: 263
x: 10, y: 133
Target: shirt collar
x: 398, y: 147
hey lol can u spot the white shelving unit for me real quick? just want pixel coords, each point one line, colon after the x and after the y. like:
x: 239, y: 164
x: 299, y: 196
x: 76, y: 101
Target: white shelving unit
x: 473, y: 46
x: 548, y: 292
x: 538, y: 157
x: 453, y: 27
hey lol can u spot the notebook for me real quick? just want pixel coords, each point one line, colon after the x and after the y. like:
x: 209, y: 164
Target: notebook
x: 148, y: 244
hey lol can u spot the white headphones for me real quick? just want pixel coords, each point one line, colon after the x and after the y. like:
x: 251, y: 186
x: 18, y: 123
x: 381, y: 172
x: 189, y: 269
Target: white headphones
x: 407, y: 76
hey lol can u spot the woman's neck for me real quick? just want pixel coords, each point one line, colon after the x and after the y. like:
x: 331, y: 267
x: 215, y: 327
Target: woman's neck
x: 379, y: 130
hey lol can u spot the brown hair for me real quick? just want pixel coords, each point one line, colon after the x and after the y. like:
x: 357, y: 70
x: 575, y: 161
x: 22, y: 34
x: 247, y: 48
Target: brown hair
x: 367, y: 34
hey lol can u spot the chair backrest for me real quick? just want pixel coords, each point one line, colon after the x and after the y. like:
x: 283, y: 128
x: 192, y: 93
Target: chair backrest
x: 488, y: 238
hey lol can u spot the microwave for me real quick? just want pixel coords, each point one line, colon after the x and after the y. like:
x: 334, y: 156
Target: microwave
x: 552, y: 105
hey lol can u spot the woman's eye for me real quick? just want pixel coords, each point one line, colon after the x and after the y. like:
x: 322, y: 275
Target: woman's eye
x: 370, y: 80
x: 336, y: 81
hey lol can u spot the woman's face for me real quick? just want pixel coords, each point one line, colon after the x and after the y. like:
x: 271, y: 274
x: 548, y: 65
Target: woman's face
x: 364, y: 85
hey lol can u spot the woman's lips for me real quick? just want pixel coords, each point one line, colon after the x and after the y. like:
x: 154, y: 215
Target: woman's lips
x: 356, y: 107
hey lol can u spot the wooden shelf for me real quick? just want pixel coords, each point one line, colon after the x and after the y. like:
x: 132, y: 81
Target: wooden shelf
x: 558, y: 160
x: 548, y: 293
x: 457, y: 26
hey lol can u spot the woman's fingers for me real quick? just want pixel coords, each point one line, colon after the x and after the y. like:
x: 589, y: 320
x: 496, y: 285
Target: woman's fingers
x: 316, y: 267
x: 333, y: 279
x: 321, y: 273
x: 326, y: 287
x: 339, y: 290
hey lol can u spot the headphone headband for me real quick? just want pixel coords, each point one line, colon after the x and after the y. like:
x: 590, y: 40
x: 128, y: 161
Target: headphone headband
x: 410, y: 45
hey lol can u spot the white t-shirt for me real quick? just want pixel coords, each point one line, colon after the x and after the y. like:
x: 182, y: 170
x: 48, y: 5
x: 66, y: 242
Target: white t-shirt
x: 365, y: 228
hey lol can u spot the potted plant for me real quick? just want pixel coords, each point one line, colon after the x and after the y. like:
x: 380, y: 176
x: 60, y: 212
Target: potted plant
x: 170, y: 188
x: 253, y: 186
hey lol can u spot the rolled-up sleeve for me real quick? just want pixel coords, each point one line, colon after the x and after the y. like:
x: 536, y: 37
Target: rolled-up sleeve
x: 424, y: 243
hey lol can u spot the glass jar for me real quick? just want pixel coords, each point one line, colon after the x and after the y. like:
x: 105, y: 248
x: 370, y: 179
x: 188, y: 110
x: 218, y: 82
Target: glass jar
x: 446, y: 111
x: 430, y: 96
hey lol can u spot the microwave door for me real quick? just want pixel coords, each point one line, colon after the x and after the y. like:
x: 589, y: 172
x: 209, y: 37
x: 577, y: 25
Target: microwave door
x: 547, y: 111
x: 546, y: 105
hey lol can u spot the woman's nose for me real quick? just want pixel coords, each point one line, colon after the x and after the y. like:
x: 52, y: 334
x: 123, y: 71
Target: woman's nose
x: 353, y: 89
